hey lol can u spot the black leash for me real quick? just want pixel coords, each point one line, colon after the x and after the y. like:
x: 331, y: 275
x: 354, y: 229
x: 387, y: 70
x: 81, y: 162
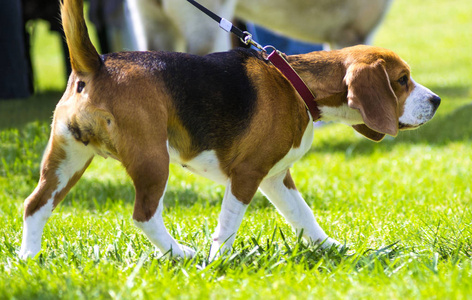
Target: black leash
x: 227, y: 26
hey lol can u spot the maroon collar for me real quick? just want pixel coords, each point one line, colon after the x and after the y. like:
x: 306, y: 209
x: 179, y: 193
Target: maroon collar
x: 280, y: 63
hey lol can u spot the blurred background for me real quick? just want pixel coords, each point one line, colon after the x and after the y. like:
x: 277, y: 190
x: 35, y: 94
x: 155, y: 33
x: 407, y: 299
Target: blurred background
x: 435, y: 40
x: 413, y: 190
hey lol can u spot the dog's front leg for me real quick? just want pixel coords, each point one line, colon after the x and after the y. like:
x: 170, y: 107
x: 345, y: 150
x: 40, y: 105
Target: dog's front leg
x: 150, y: 173
x: 229, y: 220
x: 281, y: 191
x: 239, y: 192
x: 64, y: 162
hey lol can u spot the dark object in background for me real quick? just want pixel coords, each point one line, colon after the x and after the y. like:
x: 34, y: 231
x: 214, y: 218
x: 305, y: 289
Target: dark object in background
x: 17, y: 76
x: 15, y: 73
x: 49, y: 11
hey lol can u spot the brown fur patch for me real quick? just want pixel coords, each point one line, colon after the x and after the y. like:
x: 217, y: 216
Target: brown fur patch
x: 288, y: 181
x: 140, y: 107
x: 180, y: 139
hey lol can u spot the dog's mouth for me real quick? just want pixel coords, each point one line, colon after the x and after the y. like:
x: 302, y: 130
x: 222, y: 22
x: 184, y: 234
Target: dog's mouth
x: 403, y: 126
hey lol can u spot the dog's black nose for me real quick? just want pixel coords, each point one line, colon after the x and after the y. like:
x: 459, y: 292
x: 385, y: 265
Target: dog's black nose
x: 435, y: 100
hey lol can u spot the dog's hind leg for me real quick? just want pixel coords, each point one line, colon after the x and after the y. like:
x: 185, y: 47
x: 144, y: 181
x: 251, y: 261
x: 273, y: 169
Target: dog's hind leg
x: 281, y: 191
x: 150, y: 172
x: 64, y: 162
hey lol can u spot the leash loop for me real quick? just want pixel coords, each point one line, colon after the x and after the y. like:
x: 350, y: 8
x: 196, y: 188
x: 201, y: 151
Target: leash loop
x: 271, y: 47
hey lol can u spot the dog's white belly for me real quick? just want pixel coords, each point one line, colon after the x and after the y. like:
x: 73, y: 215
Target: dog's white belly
x: 206, y: 164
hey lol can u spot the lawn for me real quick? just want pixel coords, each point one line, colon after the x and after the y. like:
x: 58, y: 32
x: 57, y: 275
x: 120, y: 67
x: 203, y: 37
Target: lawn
x: 403, y: 205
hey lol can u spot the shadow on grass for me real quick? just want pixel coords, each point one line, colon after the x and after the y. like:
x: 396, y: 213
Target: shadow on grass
x: 17, y: 113
x: 441, y: 130
x: 90, y: 194
x: 93, y: 194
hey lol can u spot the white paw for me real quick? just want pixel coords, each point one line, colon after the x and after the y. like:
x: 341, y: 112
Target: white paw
x: 25, y: 253
x: 329, y: 242
x: 179, y: 251
x: 218, y: 249
x: 214, y: 252
x: 187, y: 251
x: 332, y: 243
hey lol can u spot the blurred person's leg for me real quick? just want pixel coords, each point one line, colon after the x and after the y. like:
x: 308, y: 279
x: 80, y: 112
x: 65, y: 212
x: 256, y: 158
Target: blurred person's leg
x: 15, y: 79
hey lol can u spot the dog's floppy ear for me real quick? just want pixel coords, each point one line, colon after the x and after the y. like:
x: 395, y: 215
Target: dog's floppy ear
x: 369, y: 133
x: 84, y: 57
x: 369, y: 91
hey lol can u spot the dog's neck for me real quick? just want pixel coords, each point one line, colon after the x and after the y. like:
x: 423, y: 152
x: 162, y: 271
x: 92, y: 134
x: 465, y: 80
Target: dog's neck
x: 324, y: 72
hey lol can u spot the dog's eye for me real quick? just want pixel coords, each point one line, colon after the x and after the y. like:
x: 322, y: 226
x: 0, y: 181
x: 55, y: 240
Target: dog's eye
x: 403, y: 80
x: 80, y: 86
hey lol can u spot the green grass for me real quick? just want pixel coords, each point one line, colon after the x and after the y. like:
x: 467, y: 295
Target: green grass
x: 403, y: 205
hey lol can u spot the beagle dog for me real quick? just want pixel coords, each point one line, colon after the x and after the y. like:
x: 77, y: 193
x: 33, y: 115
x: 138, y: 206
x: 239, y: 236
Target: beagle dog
x: 231, y: 117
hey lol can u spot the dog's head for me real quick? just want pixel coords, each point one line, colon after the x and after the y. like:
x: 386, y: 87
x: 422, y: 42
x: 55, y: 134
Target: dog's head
x: 380, y: 87
x: 367, y: 87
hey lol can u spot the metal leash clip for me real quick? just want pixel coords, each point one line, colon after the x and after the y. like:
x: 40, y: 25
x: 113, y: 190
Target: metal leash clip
x: 248, y: 40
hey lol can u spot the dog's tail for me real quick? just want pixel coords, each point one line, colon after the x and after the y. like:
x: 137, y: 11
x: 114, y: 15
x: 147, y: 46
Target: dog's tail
x: 84, y: 57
